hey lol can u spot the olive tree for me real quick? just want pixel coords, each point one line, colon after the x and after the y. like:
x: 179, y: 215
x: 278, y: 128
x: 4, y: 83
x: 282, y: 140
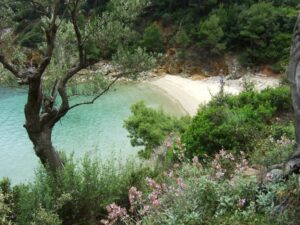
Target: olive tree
x: 45, y: 107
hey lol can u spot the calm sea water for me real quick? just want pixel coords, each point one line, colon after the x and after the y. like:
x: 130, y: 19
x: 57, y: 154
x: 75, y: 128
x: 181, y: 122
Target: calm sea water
x: 92, y: 129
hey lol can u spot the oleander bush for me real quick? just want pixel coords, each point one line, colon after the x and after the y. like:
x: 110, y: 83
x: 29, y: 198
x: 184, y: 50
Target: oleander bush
x: 192, y: 193
x: 270, y: 152
x: 78, y: 195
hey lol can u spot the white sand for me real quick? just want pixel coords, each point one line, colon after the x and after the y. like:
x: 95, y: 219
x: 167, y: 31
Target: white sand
x: 190, y: 94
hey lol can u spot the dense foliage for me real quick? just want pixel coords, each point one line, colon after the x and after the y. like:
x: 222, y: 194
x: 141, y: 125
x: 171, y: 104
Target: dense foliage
x: 258, y: 31
x: 149, y: 128
x: 219, y: 189
x: 78, y: 195
x: 234, y: 122
x: 198, y: 197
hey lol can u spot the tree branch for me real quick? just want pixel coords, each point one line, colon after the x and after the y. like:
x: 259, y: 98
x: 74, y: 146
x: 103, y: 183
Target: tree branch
x: 97, y: 96
x: 50, y: 37
x: 38, y: 7
x: 64, y: 108
x: 80, y: 44
x: 9, y: 66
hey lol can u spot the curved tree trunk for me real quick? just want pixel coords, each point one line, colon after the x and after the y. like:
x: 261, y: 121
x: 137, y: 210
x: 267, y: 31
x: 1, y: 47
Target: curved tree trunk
x: 39, y: 125
x: 44, y: 149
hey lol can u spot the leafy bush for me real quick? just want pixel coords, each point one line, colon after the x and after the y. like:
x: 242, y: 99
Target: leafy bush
x: 267, y: 37
x: 279, y: 98
x: 277, y: 147
x: 152, y: 39
x: 270, y: 152
x: 182, y: 38
x: 6, y: 203
x: 210, y: 35
x: 77, y: 195
x: 233, y: 122
x: 148, y: 127
x: 192, y: 194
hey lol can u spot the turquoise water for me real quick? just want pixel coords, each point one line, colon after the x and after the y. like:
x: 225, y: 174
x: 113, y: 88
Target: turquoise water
x: 92, y: 129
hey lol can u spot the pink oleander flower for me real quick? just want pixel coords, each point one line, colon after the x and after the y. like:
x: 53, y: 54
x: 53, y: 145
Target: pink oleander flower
x: 230, y: 156
x: 241, y: 202
x: 134, y: 194
x: 116, y: 212
x: 216, y: 164
x: 164, y: 187
x: 156, y: 202
x: 146, y: 208
x: 153, y: 196
x: 181, y: 184
x: 151, y: 183
x: 269, y: 176
x: 220, y: 174
x: 195, y: 160
x: 222, y: 153
x: 168, y: 144
x: 171, y: 173
x: 217, y: 157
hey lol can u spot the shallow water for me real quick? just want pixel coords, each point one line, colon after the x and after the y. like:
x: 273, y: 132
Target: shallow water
x: 92, y: 129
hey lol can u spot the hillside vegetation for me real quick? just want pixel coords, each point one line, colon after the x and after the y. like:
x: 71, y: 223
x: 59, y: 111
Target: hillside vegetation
x: 213, y: 168
x: 258, y: 32
x: 208, y: 170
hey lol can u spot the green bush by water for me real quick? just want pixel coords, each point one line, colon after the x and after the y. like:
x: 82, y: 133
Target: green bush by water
x: 149, y: 127
x: 235, y: 122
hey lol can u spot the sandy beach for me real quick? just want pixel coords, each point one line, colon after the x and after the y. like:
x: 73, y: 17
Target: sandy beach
x: 192, y: 93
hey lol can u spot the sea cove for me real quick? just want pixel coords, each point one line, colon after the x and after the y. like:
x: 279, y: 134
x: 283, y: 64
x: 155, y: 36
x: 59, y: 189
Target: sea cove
x: 93, y: 129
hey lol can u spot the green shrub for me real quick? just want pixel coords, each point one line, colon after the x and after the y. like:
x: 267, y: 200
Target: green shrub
x: 182, y: 38
x: 152, y: 39
x: 148, y: 127
x: 217, y: 127
x: 210, y: 35
x: 266, y: 30
x: 235, y: 122
x: 93, y: 51
x: 279, y: 98
x: 6, y: 206
x: 277, y: 147
x: 205, y: 200
x: 77, y: 195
